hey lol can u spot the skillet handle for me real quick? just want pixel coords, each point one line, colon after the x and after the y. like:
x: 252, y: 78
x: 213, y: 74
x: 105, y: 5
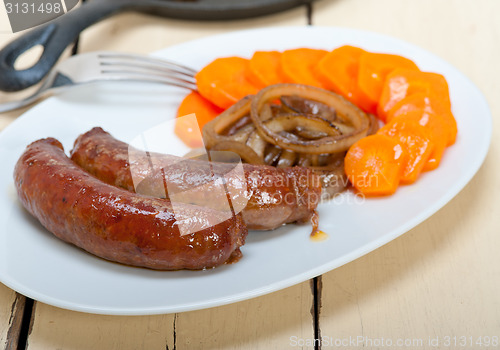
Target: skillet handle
x: 54, y: 36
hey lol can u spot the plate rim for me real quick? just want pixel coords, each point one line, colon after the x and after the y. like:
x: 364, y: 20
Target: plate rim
x: 318, y: 270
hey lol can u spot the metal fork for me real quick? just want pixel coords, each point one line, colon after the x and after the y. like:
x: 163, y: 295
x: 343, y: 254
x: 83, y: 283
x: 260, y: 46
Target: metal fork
x: 108, y: 66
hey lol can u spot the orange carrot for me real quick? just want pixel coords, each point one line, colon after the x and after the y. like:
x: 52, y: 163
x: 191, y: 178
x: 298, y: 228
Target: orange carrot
x: 417, y: 143
x: 263, y: 68
x: 373, y: 70
x: 438, y: 130
x: 338, y: 71
x: 405, y: 82
x: 189, y: 130
x: 224, y: 82
x: 297, y: 66
x: 430, y: 105
x: 374, y: 164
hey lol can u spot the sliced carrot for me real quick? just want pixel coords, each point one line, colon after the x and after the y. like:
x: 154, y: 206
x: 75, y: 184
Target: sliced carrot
x: 430, y: 105
x: 338, y: 68
x: 373, y: 70
x: 224, y: 82
x: 264, y: 69
x: 189, y: 129
x: 374, y: 165
x: 417, y: 143
x: 438, y: 129
x: 401, y: 83
x: 297, y: 66
x: 338, y: 71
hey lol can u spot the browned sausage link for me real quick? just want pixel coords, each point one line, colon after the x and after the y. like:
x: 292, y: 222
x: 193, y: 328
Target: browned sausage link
x: 116, y: 224
x: 276, y: 196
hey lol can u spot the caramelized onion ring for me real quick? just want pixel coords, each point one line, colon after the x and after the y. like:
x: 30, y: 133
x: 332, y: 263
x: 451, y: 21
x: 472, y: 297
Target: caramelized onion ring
x: 215, y: 139
x: 259, y: 112
x: 215, y: 128
x: 314, y: 126
x: 262, y: 132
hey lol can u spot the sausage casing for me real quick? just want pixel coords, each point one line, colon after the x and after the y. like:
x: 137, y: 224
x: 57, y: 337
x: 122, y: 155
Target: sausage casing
x: 116, y: 224
x: 275, y: 196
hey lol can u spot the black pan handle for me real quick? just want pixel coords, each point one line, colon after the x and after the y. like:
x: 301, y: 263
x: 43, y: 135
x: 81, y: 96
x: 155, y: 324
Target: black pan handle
x: 55, y: 37
x: 58, y: 34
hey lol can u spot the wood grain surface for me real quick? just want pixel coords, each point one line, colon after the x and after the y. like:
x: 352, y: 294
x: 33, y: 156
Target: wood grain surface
x: 11, y: 317
x: 442, y: 279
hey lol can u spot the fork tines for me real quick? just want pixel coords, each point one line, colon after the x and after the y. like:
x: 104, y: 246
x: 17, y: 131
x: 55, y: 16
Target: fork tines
x: 141, y: 68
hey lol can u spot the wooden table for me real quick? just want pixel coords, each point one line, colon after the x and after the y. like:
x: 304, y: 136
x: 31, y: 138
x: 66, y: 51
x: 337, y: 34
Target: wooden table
x: 441, y: 279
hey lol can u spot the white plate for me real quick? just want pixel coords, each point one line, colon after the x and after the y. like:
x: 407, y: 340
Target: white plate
x: 40, y: 266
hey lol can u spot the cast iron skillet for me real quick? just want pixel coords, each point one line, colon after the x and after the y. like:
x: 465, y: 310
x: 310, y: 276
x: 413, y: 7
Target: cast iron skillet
x: 58, y: 34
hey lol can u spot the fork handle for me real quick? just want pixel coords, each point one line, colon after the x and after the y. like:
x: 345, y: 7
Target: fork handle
x: 55, y: 37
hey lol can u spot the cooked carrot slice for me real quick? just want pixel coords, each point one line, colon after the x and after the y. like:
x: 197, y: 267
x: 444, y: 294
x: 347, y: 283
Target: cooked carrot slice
x: 224, y: 82
x: 297, y: 66
x: 405, y: 82
x: 263, y: 69
x: 189, y: 129
x: 438, y: 129
x: 373, y: 70
x: 417, y: 143
x: 428, y: 104
x: 374, y: 165
x: 338, y: 71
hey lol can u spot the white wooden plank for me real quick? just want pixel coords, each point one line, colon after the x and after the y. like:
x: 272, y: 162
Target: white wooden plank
x: 55, y: 328
x: 268, y: 322
x: 442, y: 278
x: 11, y: 314
x: 130, y: 32
x: 276, y: 321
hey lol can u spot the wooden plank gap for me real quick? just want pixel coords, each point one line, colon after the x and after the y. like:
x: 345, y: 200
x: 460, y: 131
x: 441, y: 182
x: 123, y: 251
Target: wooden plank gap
x: 317, y: 288
x: 75, y: 48
x: 15, y: 321
x: 26, y: 323
x: 309, y: 13
x: 174, y: 332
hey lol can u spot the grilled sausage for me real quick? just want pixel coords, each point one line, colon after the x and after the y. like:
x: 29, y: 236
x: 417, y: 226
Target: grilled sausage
x: 273, y: 196
x: 116, y: 224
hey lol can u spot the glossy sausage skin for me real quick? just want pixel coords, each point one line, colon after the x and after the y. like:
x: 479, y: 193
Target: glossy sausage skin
x: 116, y: 224
x: 276, y: 196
